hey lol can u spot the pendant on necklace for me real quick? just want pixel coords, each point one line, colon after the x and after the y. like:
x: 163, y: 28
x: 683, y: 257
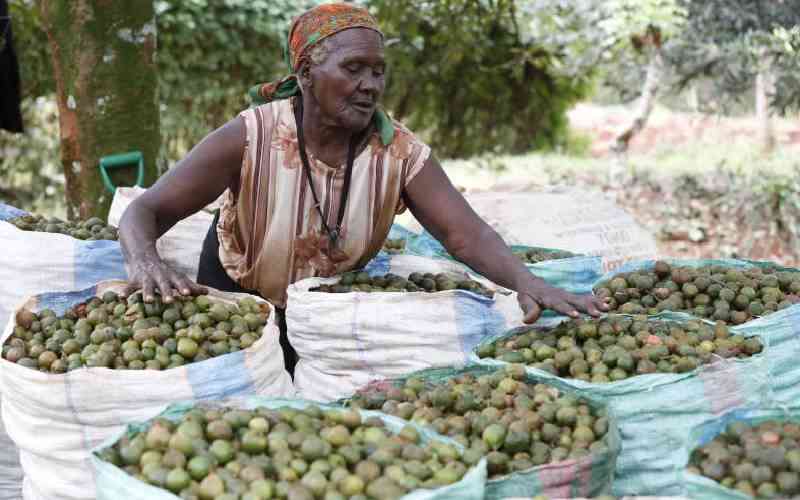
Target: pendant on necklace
x: 335, y: 253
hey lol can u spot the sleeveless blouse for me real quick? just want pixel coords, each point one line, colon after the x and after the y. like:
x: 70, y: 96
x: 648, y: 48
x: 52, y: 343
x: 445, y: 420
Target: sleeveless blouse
x: 270, y: 233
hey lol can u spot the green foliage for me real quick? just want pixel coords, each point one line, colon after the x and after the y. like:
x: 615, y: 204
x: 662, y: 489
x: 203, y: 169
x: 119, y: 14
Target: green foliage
x: 627, y: 19
x: 481, y: 84
x: 30, y: 43
x: 451, y: 85
x: 568, y: 28
x: 462, y: 76
x: 719, y: 43
x: 29, y: 163
x: 728, y: 41
x: 608, y: 38
x: 776, y: 198
x: 788, y: 39
x: 210, y: 52
x: 786, y: 47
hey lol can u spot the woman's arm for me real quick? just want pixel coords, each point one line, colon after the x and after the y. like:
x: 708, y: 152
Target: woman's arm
x: 200, y: 178
x: 444, y: 213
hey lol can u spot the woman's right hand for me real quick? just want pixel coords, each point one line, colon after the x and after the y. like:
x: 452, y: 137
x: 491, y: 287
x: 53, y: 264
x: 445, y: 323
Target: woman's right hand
x: 151, y: 273
x: 208, y: 170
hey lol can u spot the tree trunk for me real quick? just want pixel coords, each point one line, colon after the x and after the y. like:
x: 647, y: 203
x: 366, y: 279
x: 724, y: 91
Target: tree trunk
x: 693, y: 97
x: 652, y: 84
x: 765, y: 89
x: 103, y: 54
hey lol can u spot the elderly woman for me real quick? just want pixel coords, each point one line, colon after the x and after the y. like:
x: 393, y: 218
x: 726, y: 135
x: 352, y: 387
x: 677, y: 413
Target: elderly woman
x: 312, y: 180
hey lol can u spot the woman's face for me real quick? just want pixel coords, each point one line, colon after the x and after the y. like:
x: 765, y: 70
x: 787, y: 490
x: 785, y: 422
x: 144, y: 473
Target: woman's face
x: 349, y: 82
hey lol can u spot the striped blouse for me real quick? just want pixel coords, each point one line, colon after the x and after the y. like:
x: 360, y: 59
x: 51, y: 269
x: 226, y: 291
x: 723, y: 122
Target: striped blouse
x: 271, y: 234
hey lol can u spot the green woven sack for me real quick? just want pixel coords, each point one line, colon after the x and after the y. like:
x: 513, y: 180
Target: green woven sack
x: 654, y: 412
x: 705, y: 488
x: 590, y: 476
x: 782, y: 331
x: 115, y: 484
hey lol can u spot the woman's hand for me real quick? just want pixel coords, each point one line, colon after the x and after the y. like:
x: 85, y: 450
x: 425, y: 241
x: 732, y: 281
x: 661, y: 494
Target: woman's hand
x: 210, y: 168
x: 534, y: 298
x: 444, y: 212
x: 151, y: 273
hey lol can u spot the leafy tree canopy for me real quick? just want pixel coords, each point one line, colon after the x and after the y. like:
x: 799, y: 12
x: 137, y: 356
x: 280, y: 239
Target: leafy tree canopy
x: 478, y: 84
x: 727, y: 42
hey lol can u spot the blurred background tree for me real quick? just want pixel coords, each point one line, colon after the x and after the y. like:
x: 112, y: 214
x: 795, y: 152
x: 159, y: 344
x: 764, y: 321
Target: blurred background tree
x: 29, y: 164
x: 448, y: 81
x: 739, y: 47
x: 642, y: 26
x: 209, y: 54
x: 103, y: 62
x: 715, y: 57
x: 472, y: 77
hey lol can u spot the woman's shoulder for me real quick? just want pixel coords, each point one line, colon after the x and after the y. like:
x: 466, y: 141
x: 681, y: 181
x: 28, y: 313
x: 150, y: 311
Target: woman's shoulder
x: 273, y: 118
x: 273, y: 110
x: 405, y: 143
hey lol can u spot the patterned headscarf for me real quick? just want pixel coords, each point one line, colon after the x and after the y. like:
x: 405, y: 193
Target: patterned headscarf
x: 308, y: 30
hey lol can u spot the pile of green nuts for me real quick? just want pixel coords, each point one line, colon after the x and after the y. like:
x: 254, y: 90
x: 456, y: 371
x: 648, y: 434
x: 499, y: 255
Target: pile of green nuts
x: 716, y: 292
x: 130, y: 334
x: 416, y: 282
x: 515, y: 424
x: 393, y: 246
x: 534, y: 255
x: 90, y: 229
x: 762, y: 461
x: 618, y: 347
x: 224, y: 454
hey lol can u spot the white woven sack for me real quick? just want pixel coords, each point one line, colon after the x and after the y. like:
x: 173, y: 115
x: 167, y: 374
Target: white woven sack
x: 346, y: 340
x: 32, y: 263
x: 179, y: 247
x: 56, y: 420
x: 10, y: 471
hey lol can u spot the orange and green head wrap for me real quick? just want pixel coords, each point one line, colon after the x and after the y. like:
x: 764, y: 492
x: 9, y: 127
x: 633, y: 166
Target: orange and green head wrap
x: 321, y: 22
x: 308, y: 30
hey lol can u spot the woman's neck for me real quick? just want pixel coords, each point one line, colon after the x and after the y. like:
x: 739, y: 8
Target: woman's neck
x: 322, y: 136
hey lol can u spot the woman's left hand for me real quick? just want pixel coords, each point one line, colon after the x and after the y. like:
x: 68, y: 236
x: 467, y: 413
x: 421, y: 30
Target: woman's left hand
x: 444, y: 213
x: 538, y: 297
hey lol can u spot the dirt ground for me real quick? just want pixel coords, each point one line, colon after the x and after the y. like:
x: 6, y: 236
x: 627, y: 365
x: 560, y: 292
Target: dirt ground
x: 690, y: 181
x: 693, y: 216
x: 670, y: 129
